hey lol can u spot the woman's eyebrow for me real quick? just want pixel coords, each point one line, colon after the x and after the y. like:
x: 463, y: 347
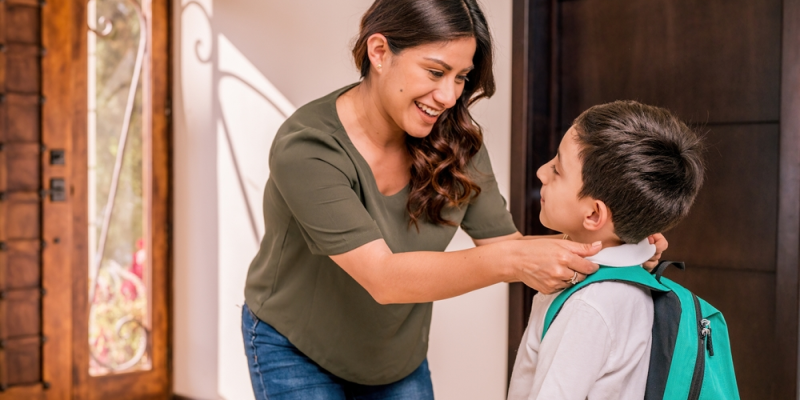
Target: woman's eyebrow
x: 447, y: 66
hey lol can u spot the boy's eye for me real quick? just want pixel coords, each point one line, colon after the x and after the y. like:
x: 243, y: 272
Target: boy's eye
x: 554, y: 170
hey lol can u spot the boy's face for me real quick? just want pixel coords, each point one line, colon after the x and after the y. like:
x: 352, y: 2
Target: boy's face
x: 562, y: 209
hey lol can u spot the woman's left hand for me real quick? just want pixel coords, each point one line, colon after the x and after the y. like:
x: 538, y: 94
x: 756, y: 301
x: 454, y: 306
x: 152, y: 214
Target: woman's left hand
x: 661, y: 245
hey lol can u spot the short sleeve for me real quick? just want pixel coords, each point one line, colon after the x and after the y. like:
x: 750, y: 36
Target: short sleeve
x: 486, y: 215
x: 318, y: 181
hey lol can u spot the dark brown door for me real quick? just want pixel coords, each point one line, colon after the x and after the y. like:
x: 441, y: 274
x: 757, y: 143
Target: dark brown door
x: 729, y: 68
x: 44, y: 228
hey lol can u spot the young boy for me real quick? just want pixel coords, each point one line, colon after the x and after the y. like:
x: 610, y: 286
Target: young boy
x: 624, y: 171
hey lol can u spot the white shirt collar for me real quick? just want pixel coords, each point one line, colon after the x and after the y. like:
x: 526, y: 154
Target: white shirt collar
x: 625, y: 255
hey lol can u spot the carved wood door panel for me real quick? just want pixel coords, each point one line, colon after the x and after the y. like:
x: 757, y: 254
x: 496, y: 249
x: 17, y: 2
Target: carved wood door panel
x: 54, y: 341
x: 34, y: 299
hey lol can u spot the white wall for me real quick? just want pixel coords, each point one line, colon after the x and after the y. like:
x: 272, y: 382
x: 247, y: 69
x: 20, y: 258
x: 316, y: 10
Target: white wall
x: 469, y: 334
x: 240, y: 67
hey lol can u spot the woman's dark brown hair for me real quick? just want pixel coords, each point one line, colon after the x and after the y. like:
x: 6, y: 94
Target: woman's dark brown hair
x: 439, y: 176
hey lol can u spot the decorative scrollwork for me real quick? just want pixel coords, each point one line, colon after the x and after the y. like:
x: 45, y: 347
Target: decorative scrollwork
x: 107, y: 27
x: 122, y: 286
x: 199, y: 43
x: 128, y: 325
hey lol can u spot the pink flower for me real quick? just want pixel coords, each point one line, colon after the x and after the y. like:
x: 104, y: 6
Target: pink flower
x: 139, y: 259
x: 128, y: 290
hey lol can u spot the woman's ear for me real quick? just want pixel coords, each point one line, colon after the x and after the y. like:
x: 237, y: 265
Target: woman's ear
x: 598, y: 217
x: 377, y: 50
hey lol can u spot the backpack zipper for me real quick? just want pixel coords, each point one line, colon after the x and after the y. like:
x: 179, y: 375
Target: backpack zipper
x: 700, y: 363
x: 706, y: 332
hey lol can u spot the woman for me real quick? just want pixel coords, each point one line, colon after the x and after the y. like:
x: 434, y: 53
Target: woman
x: 367, y: 187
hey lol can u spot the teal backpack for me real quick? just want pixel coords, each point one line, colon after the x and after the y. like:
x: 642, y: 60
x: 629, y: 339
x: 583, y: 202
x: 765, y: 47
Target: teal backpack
x: 685, y: 362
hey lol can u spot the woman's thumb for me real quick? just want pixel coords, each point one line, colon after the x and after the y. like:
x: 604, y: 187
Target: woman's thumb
x: 585, y: 249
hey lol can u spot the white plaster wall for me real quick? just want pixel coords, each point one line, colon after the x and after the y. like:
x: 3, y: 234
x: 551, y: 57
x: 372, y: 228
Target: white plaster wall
x: 469, y: 333
x: 240, y: 67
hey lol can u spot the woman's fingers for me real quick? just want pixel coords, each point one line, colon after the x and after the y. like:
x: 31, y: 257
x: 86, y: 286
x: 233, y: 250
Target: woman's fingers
x: 661, y: 245
x: 582, y: 249
x: 581, y: 266
x: 575, y: 260
x: 660, y: 241
x: 555, y: 262
x: 651, y: 264
x: 543, y: 279
x: 552, y: 264
x: 555, y: 286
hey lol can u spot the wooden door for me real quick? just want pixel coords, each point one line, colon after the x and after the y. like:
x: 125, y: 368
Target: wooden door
x: 732, y: 70
x: 44, y: 310
x: 35, y: 305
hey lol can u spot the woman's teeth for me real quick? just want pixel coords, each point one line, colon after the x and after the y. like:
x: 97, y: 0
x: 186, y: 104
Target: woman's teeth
x: 427, y: 110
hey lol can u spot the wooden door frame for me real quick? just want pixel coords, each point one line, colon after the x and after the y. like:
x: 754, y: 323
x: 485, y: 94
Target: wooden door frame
x: 65, y: 79
x: 788, y: 256
x: 533, y: 109
x: 534, y: 138
x: 57, y: 307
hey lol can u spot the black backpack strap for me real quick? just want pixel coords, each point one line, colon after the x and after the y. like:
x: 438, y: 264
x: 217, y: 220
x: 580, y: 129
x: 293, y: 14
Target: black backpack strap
x: 659, y: 270
x: 667, y: 312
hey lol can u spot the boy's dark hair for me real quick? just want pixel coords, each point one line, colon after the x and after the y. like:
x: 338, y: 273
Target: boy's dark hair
x: 642, y: 162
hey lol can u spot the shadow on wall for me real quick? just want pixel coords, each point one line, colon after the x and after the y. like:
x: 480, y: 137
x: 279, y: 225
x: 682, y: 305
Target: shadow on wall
x: 248, y: 109
x: 231, y: 112
x: 226, y: 113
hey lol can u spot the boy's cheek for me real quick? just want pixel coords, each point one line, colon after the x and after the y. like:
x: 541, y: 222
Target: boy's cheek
x: 552, y: 219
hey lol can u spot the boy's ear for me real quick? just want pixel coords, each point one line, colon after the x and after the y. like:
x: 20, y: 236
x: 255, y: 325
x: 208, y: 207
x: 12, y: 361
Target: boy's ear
x: 598, y: 216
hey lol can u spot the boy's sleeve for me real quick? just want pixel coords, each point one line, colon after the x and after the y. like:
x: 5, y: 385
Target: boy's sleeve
x: 572, y: 354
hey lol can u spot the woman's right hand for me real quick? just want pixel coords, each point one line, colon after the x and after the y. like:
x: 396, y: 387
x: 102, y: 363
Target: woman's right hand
x: 548, y: 265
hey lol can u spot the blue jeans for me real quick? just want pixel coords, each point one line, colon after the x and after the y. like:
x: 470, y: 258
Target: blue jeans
x: 279, y: 371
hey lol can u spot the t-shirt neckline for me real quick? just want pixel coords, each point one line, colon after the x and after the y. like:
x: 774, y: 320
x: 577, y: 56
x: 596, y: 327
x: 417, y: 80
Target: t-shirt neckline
x: 340, y: 128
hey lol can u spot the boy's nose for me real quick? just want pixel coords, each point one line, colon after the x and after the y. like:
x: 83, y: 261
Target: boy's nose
x: 540, y: 173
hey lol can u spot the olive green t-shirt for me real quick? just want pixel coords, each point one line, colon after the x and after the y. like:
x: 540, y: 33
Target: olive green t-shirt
x: 321, y: 199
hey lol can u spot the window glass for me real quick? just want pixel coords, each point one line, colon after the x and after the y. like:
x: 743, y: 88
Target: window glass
x: 119, y: 264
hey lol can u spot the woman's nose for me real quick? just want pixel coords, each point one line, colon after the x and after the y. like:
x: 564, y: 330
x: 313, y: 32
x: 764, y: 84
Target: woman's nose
x: 446, y: 94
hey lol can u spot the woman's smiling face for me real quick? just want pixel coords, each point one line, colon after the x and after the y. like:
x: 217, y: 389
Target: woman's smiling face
x: 418, y: 84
